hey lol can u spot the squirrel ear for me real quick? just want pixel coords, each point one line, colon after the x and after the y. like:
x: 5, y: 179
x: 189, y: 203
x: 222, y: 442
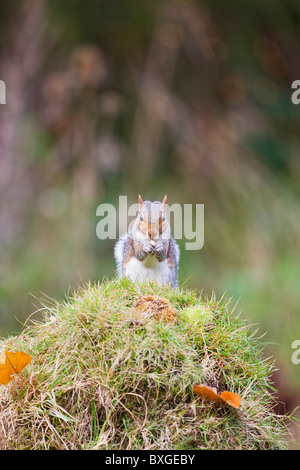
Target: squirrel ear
x: 141, y: 202
x: 164, y: 200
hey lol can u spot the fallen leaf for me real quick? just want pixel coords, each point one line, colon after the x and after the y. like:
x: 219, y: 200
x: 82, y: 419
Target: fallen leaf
x: 11, y: 364
x: 233, y: 399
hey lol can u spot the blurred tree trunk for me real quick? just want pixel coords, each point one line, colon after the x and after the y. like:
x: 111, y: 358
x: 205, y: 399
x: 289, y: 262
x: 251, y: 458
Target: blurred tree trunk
x: 19, y: 63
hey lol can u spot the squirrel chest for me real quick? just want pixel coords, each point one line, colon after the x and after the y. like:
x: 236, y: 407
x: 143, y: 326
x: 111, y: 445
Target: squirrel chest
x: 149, y: 269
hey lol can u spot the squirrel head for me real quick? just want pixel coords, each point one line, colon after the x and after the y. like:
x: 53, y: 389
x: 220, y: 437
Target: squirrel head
x: 151, y: 218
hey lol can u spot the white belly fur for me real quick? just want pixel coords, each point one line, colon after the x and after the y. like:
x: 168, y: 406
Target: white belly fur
x: 150, y: 269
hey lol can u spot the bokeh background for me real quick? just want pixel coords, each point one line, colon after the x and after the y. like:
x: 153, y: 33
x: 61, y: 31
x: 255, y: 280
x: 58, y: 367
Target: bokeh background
x: 189, y: 98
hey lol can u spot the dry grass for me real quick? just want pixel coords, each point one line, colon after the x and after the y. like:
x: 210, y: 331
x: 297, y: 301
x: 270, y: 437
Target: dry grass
x: 113, y: 368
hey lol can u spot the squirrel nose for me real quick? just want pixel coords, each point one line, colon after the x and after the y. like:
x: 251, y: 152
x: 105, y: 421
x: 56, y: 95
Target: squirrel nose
x: 152, y: 232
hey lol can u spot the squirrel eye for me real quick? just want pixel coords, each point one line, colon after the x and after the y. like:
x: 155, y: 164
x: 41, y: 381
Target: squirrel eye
x: 141, y: 218
x: 164, y: 218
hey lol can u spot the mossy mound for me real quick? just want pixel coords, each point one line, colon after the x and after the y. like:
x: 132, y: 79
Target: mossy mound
x: 113, y: 367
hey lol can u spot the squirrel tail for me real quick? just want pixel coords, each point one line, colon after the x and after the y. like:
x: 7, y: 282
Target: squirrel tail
x: 119, y: 253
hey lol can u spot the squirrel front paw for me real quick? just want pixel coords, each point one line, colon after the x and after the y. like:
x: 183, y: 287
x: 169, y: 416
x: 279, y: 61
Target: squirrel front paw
x: 148, y: 248
x: 158, y: 248
x: 160, y: 251
x: 145, y: 250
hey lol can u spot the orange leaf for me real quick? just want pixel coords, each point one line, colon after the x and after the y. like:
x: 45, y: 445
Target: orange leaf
x: 211, y: 394
x: 231, y: 398
x: 11, y: 364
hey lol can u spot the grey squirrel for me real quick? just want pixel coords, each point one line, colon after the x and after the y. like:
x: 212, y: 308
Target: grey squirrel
x: 148, y: 251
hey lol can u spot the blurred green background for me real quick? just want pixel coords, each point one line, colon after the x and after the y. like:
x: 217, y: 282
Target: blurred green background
x: 188, y: 98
